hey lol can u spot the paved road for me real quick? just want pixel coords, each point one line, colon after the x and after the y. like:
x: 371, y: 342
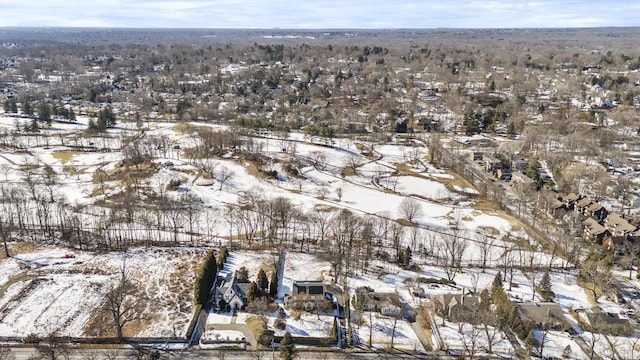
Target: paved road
x: 24, y: 353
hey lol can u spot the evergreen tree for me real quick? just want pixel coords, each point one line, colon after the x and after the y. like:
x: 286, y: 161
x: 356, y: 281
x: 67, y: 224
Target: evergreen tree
x: 242, y: 275
x: 252, y: 291
x: 281, y: 314
x: 333, y: 335
x: 26, y: 107
x: 406, y: 257
x: 531, y: 340
x: 273, y: 286
x: 511, y: 129
x: 106, y: 119
x: 205, y: 280
x: 544, y: 288
x: 287, y: 348
x: 44, y: 112
x: 222, y: 257
x: 497, y: 283
x: 263, y: 281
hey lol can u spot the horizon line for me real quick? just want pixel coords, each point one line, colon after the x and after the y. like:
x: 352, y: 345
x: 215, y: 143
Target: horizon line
x: 28, y: 27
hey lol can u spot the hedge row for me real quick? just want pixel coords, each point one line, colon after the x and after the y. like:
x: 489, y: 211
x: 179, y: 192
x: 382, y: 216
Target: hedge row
x: 206, y: 278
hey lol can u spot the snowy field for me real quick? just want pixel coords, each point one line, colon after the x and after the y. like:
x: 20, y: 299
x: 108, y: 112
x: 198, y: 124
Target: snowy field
x: 36, y: 285
x: 59, y: 291
x: 381, y: 330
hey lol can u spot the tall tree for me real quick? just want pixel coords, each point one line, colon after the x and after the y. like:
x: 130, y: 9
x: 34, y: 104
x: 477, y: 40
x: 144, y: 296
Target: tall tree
x: 121, y: 299
x: 544, y: 288
x: 263, y: 281
x: 287, y: 347
x: 252, y: 291
x: 273, y: 286
x: 44, y: 112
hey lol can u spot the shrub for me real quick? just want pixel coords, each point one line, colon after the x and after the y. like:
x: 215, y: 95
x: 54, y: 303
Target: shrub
x: 265, y: 337
x: 280, y: 324
x: 295, y: 314
x: 194, y: 321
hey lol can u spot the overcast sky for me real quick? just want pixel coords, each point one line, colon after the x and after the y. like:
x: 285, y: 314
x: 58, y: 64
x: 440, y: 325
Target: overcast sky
x: 316, y: 14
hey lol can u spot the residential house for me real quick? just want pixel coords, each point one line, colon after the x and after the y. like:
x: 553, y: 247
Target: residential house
x: 547, y: 314
x: 519, y: 164
x: 618, y: 225
x: 314, y: 296
x: 593, y: 229
x: 596, y: 211
x: 570, y: 200
x: 498, y: 169
x: 476, y: 156
x: 231, y: 294
x: 582, y: 204
x: 458, y: 307
x: 611, y: 243
x: 551, y: 202
x: 387, y: 304
x: 609, y: 323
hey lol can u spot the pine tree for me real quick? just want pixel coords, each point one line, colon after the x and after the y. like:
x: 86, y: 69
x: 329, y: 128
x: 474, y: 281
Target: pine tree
x: 44, y: 112
x: 287, y: 348
x: 531, y: 340
x: 26, y: 107
x: 333, y: 335
x: 545, y: 287
x: 497, y: 283
x: 273, y: 286
x: 222, y: 257
x: 281, y: 314
x: 263, y: 281
x: 242, y: 275
x: 252, y: 291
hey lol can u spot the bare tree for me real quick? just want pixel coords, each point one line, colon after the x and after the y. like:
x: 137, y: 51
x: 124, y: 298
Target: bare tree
x: 410, y: 208
x: 121, y: 298
x: 54, y: 347
x: 595, y: 276
x: 471, y: 337
x: 393, y: 180
x: 5, y: 353
x: 353, y: 162
x: 223, y: 175
x: 454, y: 248
x: 485, y: 243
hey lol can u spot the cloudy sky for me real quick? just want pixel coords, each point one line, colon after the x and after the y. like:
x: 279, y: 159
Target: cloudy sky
x: 316, y: 14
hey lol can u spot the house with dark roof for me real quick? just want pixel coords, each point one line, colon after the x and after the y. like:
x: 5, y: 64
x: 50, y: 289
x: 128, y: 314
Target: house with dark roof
x: 609, y: 323
x: 231, y: 294
x: 458, y: 307
x: 314, y: 296
x: 387, y: 304
x: 596, y: 211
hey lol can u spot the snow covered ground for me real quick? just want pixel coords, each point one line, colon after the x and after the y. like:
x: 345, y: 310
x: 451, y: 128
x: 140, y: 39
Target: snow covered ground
x: 61, y: 291
x: 382, y: 329
x: 36, y: 285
